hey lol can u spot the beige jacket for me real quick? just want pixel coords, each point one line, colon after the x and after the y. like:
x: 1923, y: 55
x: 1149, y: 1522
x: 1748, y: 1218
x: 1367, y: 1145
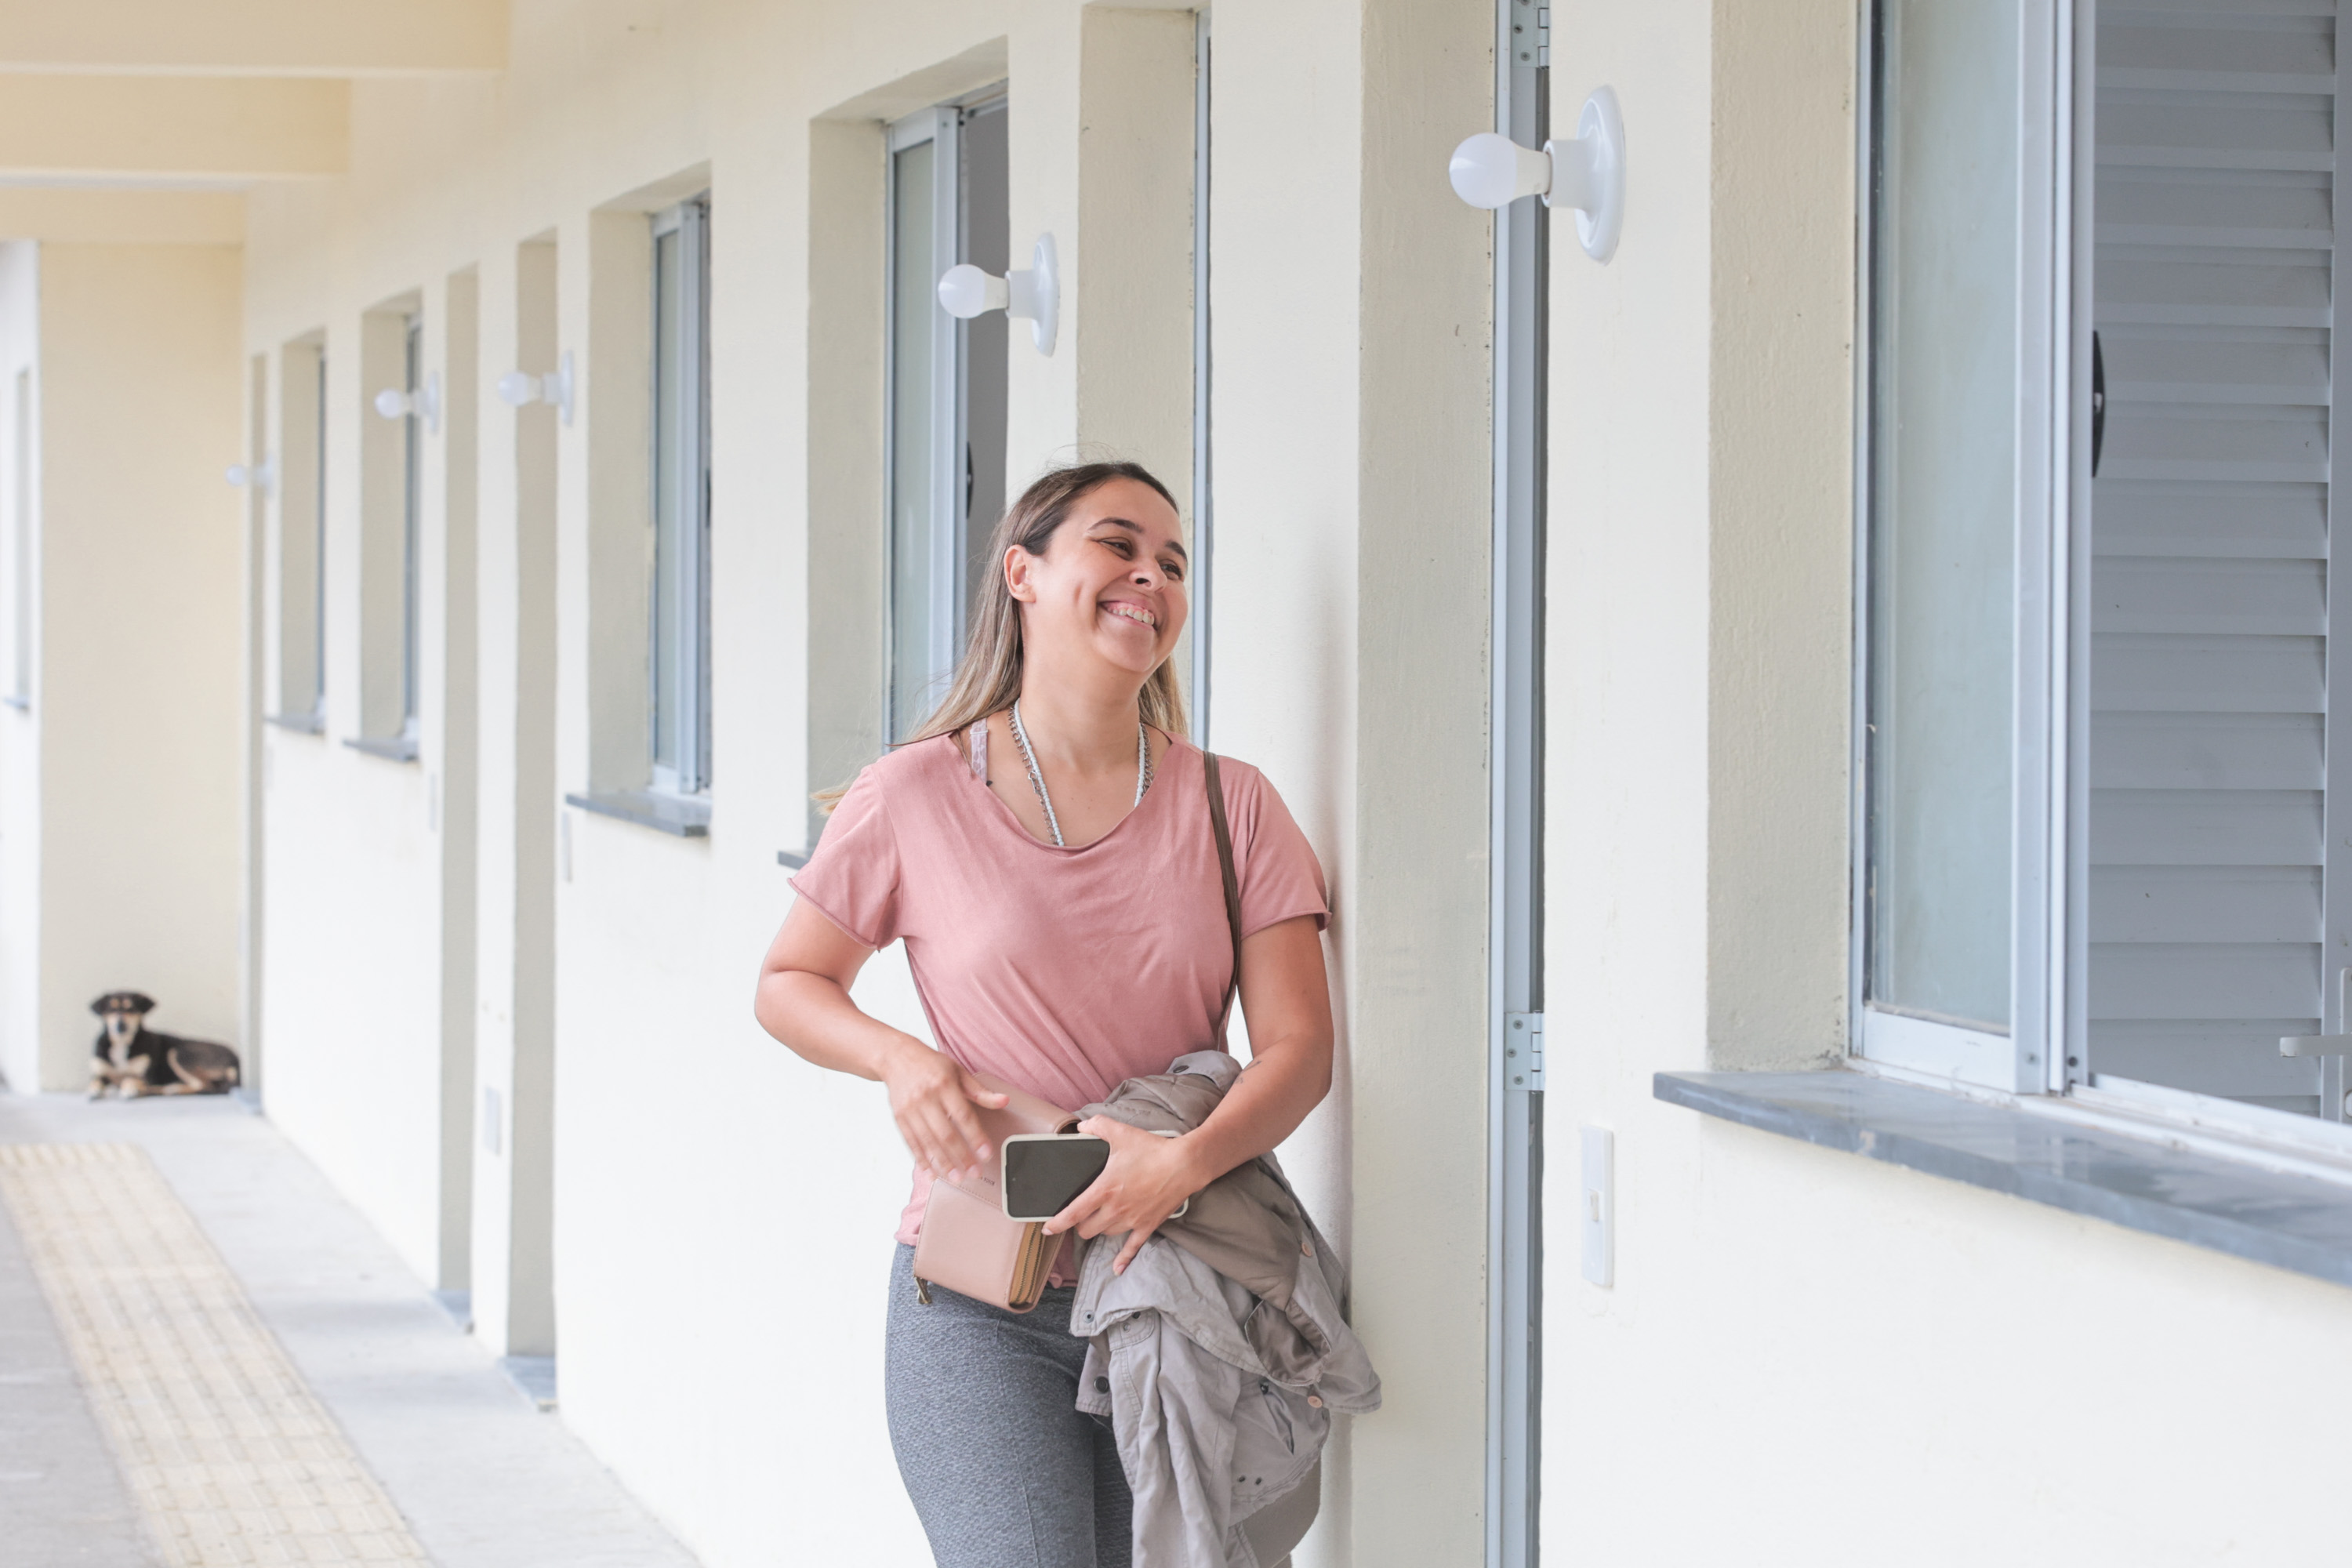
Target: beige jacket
x: 1223, y: 1350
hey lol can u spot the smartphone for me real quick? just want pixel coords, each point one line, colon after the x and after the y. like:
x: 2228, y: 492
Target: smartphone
x: 1044, y: 1171
x: 1041, y: 1173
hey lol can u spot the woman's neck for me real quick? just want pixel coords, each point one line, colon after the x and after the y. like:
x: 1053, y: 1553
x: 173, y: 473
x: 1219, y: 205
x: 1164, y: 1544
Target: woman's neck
x: 1089, y: 731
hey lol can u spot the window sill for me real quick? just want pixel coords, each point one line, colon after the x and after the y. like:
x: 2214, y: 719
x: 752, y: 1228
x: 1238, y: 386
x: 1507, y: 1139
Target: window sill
x: 391, y: 748
x: 684, y: 816
x: 301, y: 723
x: 21, y: 704
x: 795, y: 858
x: 2149, y: 1179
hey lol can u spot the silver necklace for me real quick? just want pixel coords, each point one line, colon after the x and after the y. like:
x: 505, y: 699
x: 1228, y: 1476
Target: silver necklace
x: 1037, y: 780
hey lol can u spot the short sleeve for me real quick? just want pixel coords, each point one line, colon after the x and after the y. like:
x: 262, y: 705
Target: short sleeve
x: 1281, y: 878
x: 852, y: 876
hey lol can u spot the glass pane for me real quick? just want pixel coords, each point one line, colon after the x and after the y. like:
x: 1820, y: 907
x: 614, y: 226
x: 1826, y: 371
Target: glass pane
x: 20, y: 538
x: 411, y: 541
x: 669, y: 365
x: 319, y: 554
x: 1943, y: 413
x: 986, y: 211
x: 912, y: 305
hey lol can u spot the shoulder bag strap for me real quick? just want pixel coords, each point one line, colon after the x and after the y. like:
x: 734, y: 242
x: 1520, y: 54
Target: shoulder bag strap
x: 1233, y: 884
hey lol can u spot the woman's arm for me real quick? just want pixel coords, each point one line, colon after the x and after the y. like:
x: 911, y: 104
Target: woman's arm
x: 1288, y: 1001
x: 804, y: 1001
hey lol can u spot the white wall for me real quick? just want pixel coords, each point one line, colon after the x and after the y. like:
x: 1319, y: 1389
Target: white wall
x: 1806, y: 1357
x: 722, y: 1212
x: 20, y: 748
x: 119, y: 835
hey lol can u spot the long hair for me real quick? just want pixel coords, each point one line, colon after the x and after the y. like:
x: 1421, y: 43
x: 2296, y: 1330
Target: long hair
x: 988, y: 677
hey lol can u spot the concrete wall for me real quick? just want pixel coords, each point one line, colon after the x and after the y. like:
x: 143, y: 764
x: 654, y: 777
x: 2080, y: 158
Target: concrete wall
x: 120, y: 782
x: 352, y: 885
x: 516, y: 1034
x: 717, y: 1223
x: 1806, y: 1357
x: 20, y: 731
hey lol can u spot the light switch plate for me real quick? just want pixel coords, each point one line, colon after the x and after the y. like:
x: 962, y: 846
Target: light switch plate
x: 1596, y: 1209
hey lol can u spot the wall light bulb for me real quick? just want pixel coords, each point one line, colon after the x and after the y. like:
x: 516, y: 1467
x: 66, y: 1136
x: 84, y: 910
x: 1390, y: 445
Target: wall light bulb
x: 259, y: 476
x: 1034, y: 296
x: 965, y: 291
x: 518, y: 387
x: 1490, y: 170
x: 1586, y: 174
x: 392, y: 403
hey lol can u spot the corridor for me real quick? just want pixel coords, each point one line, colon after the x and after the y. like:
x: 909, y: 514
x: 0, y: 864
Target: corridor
x: 210, y: 1358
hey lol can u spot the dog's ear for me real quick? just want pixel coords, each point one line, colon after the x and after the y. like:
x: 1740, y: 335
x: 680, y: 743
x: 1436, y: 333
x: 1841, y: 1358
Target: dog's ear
x: 98, y: 1006
x: 141, y: 1004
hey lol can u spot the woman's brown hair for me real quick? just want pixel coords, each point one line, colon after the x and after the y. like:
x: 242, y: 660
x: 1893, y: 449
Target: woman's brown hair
x: 988, y: 677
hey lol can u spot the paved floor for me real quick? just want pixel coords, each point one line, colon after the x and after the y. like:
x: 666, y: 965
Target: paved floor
x: 276, y: 1343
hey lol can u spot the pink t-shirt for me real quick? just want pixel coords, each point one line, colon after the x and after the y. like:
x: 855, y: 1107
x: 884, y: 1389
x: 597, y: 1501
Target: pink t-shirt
x: 1060, y: 971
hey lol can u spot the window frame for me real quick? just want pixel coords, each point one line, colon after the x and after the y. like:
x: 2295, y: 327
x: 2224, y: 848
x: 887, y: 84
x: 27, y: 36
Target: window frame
x: 943, y: 126
x: 2046, y: 791
x: 1204, y: 468
x: 690, y: 773
x: 945, y: 473
x: 412, y: 527
x: 22, y: 502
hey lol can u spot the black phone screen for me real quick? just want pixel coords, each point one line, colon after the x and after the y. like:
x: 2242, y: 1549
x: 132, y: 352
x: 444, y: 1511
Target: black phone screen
x: 1042, y: 1175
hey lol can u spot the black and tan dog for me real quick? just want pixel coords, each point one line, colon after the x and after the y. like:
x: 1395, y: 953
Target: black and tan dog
x: 136, y: 1060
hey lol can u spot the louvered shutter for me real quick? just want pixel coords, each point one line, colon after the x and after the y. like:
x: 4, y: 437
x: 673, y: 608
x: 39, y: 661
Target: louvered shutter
x: 2212, y: 905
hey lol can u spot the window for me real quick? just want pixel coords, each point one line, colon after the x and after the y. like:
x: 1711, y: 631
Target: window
x: 20, y: 544
x: 302, y: 536
x: 411, y: 499
x: 679, y: 659
x: 1203, y: 540
x: 2219, y: 895
x: 2099, y: 840
x: 318, y: 583
x: 1947, y: 564
x: 948, y: 202
x: 391, y: 435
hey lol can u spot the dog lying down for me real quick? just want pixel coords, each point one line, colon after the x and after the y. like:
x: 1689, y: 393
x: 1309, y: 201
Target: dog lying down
x: 135, y: 1060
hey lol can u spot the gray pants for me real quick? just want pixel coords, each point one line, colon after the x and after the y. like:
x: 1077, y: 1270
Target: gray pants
x: 1004, y: 1469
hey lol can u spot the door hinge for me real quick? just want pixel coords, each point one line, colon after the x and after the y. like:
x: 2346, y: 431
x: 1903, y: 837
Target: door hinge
x: 1530, y: 35
x: 1523, y: 1050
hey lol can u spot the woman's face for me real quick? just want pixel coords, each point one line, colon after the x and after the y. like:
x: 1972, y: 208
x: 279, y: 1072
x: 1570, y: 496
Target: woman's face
x: 1111, y: 582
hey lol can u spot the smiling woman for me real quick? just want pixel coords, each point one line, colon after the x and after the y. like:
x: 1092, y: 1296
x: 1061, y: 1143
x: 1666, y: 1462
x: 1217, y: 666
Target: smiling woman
x: 1066, y: 923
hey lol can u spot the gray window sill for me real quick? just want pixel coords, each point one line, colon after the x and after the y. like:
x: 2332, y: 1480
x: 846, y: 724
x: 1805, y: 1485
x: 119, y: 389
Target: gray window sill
x: 391, y: 748
x: 301, y: 723
x: 795, y: 858
x: 2302, y: 1223
x: 21, y: 704
x: 686, y: 815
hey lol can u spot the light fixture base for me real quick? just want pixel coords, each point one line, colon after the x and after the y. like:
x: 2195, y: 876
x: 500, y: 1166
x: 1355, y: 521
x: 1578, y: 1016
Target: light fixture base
x: 1589, y: 174
x: 1034, y: 296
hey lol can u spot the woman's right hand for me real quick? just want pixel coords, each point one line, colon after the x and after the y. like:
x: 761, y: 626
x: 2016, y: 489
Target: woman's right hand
x: 931, y: 1098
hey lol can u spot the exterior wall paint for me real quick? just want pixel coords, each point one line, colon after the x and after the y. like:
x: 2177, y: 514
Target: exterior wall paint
x: 138, y: 689
x: 1853, y: 1361
x: 20, y: 732
x: 1806, y: 1357
x: 721, y: 1212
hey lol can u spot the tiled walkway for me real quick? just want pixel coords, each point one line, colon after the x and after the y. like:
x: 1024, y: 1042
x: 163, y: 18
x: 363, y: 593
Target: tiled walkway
x: 228, y: 1456
x: 219, y: 1362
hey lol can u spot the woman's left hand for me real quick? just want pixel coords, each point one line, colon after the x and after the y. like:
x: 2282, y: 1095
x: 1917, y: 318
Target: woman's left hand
x: 1147, y: 1179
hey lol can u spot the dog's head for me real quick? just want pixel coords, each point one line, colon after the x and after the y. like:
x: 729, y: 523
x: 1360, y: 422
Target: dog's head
x: 121, y: 1012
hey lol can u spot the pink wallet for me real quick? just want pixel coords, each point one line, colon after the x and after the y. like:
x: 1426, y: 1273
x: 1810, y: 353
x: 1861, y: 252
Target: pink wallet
x: 966, y: 1244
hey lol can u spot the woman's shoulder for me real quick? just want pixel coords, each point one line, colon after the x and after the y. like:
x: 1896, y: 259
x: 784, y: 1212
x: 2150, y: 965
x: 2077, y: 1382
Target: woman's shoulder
x: 918, y: 765
x: 1240, y: 779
